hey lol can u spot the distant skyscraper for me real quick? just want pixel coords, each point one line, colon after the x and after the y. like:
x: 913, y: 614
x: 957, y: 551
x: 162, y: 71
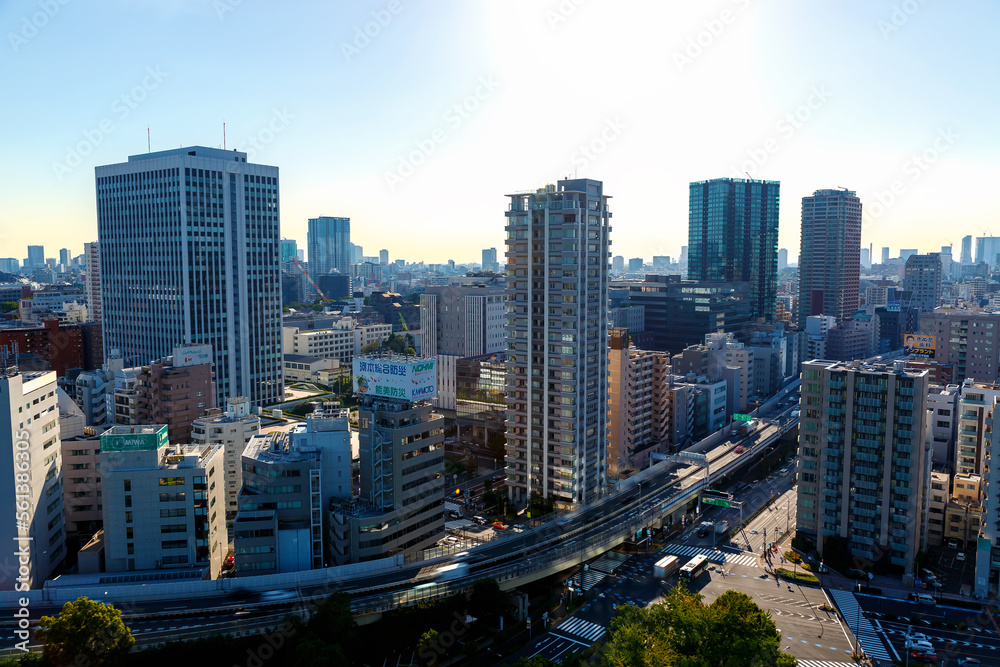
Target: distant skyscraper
x: 988, y: 250
x: 200, y: 267
x: 36, y: 256
x: 490, y: 260
x: 782, y: 259
x: 92, y: 280
x: 383, y: 257
x: 830, y: 254
x: 558, y: 452
x: 64, y: 257
x: 357, y: 254
x: 329, y: 245
x: 866, y: 258
x: 635, y: 264
x: 684, y: 254
x: 922, y: 279
x: 618, y: 263
x: 885, y: 255
x: 967, y: 250
x: 733, y: 235
x: 301, y: 254
x: 906, y: 253
x: 9, y: 264
x: 289, y: 250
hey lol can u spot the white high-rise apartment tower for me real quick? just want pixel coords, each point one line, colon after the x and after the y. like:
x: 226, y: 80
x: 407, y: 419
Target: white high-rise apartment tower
x: 189, y: 255
x: 31, y: 469
x: 557, y: 342
x: 92, y: 267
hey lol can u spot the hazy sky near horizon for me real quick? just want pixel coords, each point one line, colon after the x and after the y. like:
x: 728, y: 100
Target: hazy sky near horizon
x: 415, y: 119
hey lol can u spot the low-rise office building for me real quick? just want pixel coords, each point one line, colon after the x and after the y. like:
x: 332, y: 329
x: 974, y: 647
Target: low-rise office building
x: 164, y: 505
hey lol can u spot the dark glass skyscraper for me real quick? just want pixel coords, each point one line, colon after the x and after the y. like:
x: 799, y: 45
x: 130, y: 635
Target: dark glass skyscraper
x: 830, y: 255
x: 733, y: 236
x: 329, y: 245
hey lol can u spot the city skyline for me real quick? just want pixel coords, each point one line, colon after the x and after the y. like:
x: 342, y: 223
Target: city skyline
x: 374, y: 128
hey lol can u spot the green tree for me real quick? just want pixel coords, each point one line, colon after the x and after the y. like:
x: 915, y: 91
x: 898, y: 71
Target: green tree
x: 487, y: 602
x: 684, y: 632
x: 85, y: 630
x: 8, y: 306
x: 427, y: 646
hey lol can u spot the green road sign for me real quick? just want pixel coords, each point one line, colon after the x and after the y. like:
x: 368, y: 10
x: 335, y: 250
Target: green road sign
x: 716, y: 501
x: 738, y: 417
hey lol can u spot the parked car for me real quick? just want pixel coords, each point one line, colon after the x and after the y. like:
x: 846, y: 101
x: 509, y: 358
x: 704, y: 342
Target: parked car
x: 499, y: 525
x: 927, y: 575
x: 960, y: 557
x: 952, y: 544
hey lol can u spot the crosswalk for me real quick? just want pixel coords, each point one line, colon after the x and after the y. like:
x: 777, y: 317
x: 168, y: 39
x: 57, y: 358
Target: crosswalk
x: 609, y: 562
x: 714, y: 555
x: 584, y: 629
x: 591, y: 578
x: 825, y: 663
x: 869, y: 638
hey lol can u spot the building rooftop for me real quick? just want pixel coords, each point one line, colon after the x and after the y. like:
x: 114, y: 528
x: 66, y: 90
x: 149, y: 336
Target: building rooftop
x: 897, y: 367
x: 274, y: 448
x: 134, y: 430
x: 302, y: 358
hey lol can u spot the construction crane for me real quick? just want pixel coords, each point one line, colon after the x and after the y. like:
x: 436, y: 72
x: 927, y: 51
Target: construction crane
x: 311, y: 281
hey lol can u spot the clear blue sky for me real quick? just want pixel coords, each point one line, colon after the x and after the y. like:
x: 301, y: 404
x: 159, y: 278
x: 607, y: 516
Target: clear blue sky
x: 370, y: 129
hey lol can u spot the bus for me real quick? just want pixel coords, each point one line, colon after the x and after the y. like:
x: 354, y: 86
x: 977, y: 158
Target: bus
x: 694, y: 567
x: 665, y: 567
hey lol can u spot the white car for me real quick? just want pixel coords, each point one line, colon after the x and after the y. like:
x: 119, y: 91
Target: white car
x: 960, y: 557
x: 919, y: 644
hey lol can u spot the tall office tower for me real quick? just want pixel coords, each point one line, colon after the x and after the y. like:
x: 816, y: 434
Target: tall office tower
x: 782, y: 259
x: 64, y: 258
x: 557, y: 295
x: 922, y: 277
x: 733, y: 235
x: 988, y: 250
x: 947, y: 262
x: 189, y: 255
x: 32, y: 470
x: 866, y: 258
x: 357, y: 254
x: 36, y: 257
x: 966, y: 250
x: 329, y: 244
x: 490, y: 260
x: 906, y: 253
x: 289, y: 250
x: 401, y: 445
x: 684, y: 254
x: 9, y: 264
x: 161, y: 501
x: 383, y: 257
x: 830, y: 255
x: 92, y: 280
x: 864, y: 462
x: 635, y: 264
x: 618, y: 264
x: 885, y: 255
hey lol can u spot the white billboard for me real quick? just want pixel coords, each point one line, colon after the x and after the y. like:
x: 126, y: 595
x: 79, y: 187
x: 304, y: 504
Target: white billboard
x: 395, y: 378
x: 192, y: 355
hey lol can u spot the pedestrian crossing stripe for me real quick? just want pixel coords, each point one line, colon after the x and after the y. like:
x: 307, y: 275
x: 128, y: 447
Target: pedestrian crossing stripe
x: 825, y: 663
x: 868, y: 637
x: 583, y: 629
x: 609, y: 562
x: 591, y: 578
x: 713, y: 555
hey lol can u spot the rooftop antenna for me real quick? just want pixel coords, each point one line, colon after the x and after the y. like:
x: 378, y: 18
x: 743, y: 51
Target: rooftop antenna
x: 149, y: 144
x: 223, y: 135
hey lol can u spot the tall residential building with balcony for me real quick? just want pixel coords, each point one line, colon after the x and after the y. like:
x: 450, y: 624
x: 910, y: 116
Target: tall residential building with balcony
x: 163, y: 504
x: 648, y: 412
x: 733, y: 236
x: 189, y: 256
x: 400, y: 507
x: 32, y: 470
x: 92, y: 282
x: 987, y: 543
x: 558, y: 247
x: 865, y: 462
x: 232, y: 429
x: 975, y: 402
x: 830, y: 255
x: 969, y: 340
x: 176, y: 390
